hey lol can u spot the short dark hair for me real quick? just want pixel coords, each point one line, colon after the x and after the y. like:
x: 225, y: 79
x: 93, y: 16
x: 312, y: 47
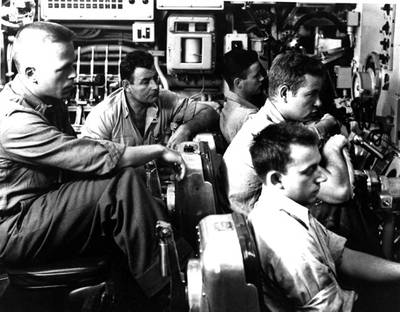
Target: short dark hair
x: 44, y: 32
x: 270, y: 149
x: 137, y: 58
x: 236, y: 64
x: 289, y: 68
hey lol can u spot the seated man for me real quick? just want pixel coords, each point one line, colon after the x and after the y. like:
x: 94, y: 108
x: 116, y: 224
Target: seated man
x: 295, y: 81
x: 300, y: 258
x: 243, y: 73
x: 139, y: 113
x: 43, y: 215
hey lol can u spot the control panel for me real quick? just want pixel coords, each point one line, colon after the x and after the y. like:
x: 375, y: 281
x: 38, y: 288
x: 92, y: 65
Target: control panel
x: 97, y: 9
x: 387, y: 36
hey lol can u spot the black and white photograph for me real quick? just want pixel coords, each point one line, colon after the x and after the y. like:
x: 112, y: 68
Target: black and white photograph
x: 199, y: 156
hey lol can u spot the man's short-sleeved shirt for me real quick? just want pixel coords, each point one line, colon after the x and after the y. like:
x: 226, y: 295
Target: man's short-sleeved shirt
x: 38, y: 145
x: 235, y: 112
x: 298, y: 257
x: 111, y: 120
x: 244, y: 186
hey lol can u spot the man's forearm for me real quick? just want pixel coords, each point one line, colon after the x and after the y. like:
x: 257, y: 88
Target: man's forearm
x: 339, y: 171
x: 337, y: 188
x: 368, y: 268
x: 206, y: 118
x: 139, y: 155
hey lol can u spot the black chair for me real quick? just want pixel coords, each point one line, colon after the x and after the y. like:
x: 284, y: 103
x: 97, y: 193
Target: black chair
x: 73, y: 285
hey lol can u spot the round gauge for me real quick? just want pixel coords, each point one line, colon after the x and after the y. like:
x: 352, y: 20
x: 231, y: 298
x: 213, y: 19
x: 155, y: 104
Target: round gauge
x: 369, y: 81
x: 373, y: 67
x: 361, y: 85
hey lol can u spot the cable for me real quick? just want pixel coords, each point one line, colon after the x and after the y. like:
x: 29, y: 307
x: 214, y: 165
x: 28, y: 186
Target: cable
x: 88, y: 34
x: 192, y: 97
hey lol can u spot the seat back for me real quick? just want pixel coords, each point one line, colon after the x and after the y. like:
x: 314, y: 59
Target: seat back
x: 71, y: 273
x: 71, y: 285
x: 226, y: 277
x: 250, y: 254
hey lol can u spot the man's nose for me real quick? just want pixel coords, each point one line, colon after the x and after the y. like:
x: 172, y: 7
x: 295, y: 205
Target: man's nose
x: 318, y: 102
x: 153, y: 83
x: 72, y: 75
x: 321, y: 175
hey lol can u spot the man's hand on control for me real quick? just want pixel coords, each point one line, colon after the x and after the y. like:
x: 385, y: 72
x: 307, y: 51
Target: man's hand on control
x: 174, y: 159
x: 180, y: 135
x: 335, y: 144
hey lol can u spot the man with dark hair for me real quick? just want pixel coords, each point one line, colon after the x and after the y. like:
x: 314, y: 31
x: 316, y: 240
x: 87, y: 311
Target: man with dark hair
x: 61, y: 196
x: 299, y: 257
x: 139, y: 113
x: 295, y: 81
x: 243, y: 73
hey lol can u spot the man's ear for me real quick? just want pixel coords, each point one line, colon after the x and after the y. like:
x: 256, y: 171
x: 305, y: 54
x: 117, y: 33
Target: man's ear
x: 30, y: 72
x: 237, y: 83
x: 125, y: 83
x: 274, y: 178
x: 283, y: 91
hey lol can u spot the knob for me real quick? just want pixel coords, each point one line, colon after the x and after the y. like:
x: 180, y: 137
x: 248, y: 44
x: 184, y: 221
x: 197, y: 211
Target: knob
x: 385, y: 28
x: 385, y: 44
x: 387, y: 8
x: 384, y: 58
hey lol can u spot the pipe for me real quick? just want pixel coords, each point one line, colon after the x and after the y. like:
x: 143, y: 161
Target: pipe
x: 102, y: 54
x: 113, y: 47
x: 106, y: 72
x: 100, y: 63
x: 78, y: 72
x: 163, y: 79
x: 10, y: 73
x: 99, y: 26
x: 91, y: 98
x: 119, y: 65
x: 8, y: 24
x: 207, y: 83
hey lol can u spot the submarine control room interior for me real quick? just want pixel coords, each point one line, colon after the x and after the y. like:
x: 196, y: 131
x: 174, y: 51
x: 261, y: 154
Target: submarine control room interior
x: 199, y: 156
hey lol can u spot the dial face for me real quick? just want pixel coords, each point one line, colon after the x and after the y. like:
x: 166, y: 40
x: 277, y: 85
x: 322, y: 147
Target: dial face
x: 373, y: 68
x: 362, y: 84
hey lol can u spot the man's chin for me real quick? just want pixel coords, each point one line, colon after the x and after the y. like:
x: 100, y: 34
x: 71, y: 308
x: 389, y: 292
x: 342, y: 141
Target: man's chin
x: 312, y: 200
x: 152, y: 99
x: 314, y: 116
x: 67, y: 93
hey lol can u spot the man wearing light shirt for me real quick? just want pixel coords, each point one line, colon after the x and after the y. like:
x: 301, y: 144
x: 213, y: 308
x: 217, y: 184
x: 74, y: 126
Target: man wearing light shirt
x: 62, y: 196
x: 300, y: 258
x: 244, y: 76
x: 139, y: 113
x: 295, y: 82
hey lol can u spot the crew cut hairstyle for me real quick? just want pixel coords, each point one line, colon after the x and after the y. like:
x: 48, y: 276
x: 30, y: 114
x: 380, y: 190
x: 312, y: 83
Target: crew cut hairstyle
x: 134, y: 59
x: 289, y: 68
x: 42, y: 32
x: 270, y: 149
x: 236, y: 63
